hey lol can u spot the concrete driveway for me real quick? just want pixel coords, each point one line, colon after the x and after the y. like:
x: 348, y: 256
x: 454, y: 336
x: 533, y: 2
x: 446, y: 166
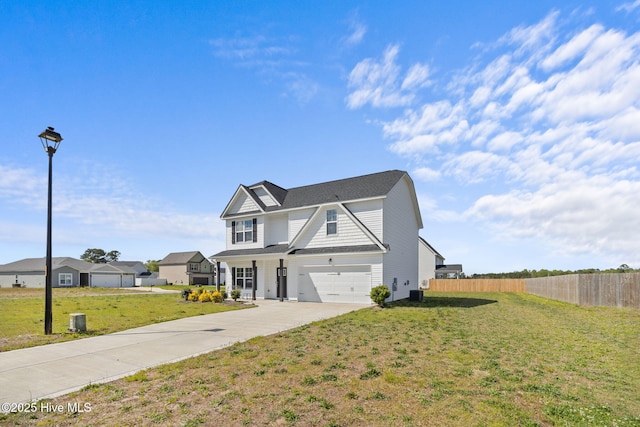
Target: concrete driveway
x: 51, y: 370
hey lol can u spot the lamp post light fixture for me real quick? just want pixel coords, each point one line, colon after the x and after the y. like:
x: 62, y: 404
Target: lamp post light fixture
x: 50, y: 140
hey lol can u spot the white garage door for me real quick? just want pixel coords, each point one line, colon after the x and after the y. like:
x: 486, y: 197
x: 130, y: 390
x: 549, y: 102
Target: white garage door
x: 340, y: 284
x: 105, y: 280
x: 128, y: 280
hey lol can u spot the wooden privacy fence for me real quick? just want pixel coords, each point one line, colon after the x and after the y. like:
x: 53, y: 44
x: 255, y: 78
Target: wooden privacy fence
x: 609, y: 289
x: 477, y: 285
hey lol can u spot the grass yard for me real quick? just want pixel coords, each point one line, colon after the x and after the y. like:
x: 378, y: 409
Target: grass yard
x: 453, y: 360
x: 107, y: 310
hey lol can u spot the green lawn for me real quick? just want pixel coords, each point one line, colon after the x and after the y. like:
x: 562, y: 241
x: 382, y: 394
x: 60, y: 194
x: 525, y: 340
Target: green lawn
x: 107, y: 310
x: 454, y: 360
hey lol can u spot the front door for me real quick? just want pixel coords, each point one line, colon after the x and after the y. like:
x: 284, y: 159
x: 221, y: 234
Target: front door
x: 281, y: 280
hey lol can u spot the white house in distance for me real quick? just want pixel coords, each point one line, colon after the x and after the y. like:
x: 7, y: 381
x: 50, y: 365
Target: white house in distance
x: 328, y: 242
x: 429, y: 260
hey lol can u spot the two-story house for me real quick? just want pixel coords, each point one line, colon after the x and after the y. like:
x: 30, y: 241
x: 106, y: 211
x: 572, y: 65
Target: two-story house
x: 328, y: 242
x: 188, y: 268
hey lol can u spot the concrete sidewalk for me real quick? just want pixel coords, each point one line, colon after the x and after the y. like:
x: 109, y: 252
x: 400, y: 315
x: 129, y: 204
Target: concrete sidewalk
x: 55, y: 369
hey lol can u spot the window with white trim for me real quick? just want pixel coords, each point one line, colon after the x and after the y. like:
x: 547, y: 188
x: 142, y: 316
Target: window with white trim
x: 244, y: 231
x: 193, y: 266
x: 65, y: 279
x: 244, y: 278
x: 332, y: 221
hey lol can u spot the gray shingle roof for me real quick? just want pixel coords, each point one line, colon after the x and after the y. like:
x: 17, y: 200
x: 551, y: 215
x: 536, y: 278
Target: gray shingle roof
x: 272, y: 249
x: 175, y: 258
x: 38, y: 265
x: 342, y: 190
x: 276, y: 191
x: 338, y: 250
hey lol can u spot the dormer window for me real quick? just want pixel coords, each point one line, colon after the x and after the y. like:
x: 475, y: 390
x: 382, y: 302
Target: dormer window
x: 244, y: 231
x: 332, y: 222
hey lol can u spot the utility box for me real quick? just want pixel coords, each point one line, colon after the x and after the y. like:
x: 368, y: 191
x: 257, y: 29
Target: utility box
x: 78, y: 322
x: 416, y: 295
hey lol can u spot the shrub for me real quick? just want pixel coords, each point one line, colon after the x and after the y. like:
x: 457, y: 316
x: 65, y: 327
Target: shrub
x: 235, y: 294
x: 193, y: 296
x: 205, y: 297
x: 379, y: 294
x: 216, y: 297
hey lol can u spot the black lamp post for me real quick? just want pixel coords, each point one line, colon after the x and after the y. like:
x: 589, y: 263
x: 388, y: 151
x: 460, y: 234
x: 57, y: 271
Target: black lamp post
x: 50, y: 140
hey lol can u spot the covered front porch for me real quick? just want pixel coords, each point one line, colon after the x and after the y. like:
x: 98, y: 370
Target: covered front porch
x: 258, y: 273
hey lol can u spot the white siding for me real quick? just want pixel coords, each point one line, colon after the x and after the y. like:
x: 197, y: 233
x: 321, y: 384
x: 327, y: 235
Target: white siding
x: 29, y: 280
x: 370, y: 214
x: 243, y: 203
x: 275, y: 229
x: 264, y: 196
x: 401, y: 233
x: 427, y: 265
x: 246, y: 245
x: 297, y: 220
x: 349, y: 233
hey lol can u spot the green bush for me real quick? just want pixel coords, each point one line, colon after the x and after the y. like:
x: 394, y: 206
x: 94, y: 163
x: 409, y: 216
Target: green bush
x: 379, y: 294
x: 235, y: 294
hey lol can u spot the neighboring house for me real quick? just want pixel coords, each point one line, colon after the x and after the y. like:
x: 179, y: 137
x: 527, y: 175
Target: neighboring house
x: 188, y: 268
x: 429, y: 259
x: 449, y: 271
x: 432, y: 265
x: 328, y: 242
x: 66, y: 272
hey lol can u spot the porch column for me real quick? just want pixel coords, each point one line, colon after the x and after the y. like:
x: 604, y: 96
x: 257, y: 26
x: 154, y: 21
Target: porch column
x: 255, y: 279
x: 218, y: 276
x: 281, y: 280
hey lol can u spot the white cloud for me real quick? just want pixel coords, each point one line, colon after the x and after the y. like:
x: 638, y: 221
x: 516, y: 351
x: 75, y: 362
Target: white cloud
x: 248, y: 49
x: 476, y: 166
x: 358, y: 31
x: 629, y: 6
x: 543, y: 128
x: 94, y: 205
x: 376, y: 82
x: 417, y: 77
x: 573, y: 49
x: 426, y: 174
x: 274, y: 60
x: 381, y: 82
x: 595, y: 215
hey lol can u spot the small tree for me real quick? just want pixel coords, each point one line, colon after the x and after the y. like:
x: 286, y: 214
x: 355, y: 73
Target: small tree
x: 379, y: 294
x: 99, y: 256
x: 152, y: 265
x: 235, y: 294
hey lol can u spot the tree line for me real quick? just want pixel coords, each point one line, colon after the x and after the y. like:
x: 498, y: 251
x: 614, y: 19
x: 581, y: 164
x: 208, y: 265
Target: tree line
x: 528, y: 274
x: 100, y: 256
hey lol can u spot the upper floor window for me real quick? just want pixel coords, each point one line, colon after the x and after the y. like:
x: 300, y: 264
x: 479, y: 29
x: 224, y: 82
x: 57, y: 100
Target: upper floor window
x: 194, y: 266
x: 244, y: 231
x: 332, y: 221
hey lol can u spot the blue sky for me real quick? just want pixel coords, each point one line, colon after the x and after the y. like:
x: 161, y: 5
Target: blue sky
x: 518, y: 121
